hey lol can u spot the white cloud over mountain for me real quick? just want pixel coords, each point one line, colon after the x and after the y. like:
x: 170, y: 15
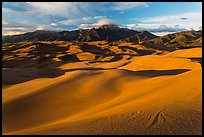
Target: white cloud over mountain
x: 99, y: 23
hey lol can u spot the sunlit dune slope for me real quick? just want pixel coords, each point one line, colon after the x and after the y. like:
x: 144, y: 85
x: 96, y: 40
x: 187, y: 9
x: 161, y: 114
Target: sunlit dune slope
x: 187, y: 53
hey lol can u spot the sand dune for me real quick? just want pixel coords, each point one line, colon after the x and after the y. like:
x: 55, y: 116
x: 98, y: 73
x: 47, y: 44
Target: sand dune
x: 187, y: 53
x: 152, y: 94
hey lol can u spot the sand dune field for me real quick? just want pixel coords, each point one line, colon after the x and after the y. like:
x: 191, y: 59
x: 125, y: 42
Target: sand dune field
x: 151, y: 94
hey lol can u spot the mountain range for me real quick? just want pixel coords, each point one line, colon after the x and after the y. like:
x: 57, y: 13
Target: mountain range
x: 112, y: 33
x: 105, y: 32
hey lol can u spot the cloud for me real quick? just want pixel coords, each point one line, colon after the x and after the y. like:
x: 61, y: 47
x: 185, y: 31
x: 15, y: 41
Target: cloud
x: 70, y: 15
x: 84, y: 20
x: 86, y: 26
x: 156, y: 28
x: 183, y: 18
x: 72, y: 9
x: 121, y: 12
x: 141, y: 27
x: 120, y: 6
x: 53, y: 24
x: 71, y: 21
x: 99, y: 23
x: 173, y: 22
x: 52, y: 8
x: 164, y: 28
x: 4, y: 23
x: 105, y: 22
x: 8, y: 32
x: 9, y: 28
x: 63, y: 14
x: 66, y: 9
x: 180, y: 18
x: 161, y: 33
x: 6, y: 10
x: 40, y: 28
x: 16, y: 25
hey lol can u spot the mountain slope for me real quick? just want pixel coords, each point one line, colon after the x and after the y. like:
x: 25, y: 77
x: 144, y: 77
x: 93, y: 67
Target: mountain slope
x: 141, y: 36
x: 177, y: 40
x: 106, y: 32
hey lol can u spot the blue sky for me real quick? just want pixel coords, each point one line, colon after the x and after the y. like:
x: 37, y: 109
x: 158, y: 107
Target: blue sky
x: 159, y: 18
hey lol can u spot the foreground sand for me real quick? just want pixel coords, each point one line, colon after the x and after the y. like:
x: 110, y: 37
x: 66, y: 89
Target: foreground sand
x: 153, y: 94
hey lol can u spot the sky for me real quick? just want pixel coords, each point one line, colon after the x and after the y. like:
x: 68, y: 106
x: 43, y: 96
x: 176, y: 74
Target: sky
x: 159, y: 18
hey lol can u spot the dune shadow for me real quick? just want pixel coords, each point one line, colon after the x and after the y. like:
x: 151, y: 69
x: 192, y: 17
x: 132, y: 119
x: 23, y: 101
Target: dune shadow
x: 19, y: 75
x: 140, y: 52
x: 125, y: 64
x: 154, y: 73
x: 196, y: 59
x: 70, y: 58
x: 12, y: 76
x: 88, y: 68
x: 94, y: 49
x: 189, y: 47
